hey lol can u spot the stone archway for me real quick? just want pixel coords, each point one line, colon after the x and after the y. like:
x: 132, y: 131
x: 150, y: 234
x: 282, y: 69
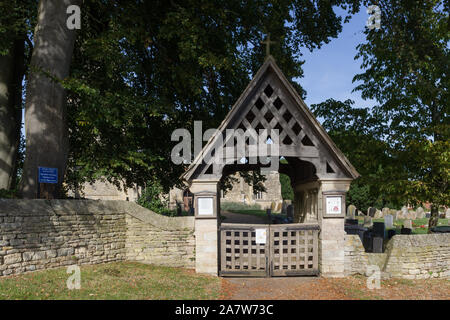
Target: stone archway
x: 320, y: 173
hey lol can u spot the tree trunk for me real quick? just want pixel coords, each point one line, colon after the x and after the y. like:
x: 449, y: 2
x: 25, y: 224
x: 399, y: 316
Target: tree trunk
x: 11, y: 76
x: 434, y: 217
x: 45, y: 108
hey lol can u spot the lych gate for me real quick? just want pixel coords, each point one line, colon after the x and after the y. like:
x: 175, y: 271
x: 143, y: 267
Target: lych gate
x: 320, y: 176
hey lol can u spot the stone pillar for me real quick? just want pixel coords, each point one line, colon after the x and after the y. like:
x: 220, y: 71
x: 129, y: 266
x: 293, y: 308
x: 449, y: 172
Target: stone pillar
x: 206, y: 230
x: 332, y: 234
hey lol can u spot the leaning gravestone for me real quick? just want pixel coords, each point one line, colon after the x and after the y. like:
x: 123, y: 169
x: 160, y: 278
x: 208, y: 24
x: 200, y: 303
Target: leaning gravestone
x: 389, y: 221
x: 407, y: 224
x: 420, y: 213
x: 371, y: 212
x: 351, y: 210
x: 367, y: 222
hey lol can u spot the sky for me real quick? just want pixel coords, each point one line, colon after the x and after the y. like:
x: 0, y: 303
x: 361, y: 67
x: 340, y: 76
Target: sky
x: 328, y: 71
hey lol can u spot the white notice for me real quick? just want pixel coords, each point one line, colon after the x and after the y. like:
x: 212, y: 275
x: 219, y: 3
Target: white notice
x: 205, y: 206
x: 260, y: 236
x: 334, y: 205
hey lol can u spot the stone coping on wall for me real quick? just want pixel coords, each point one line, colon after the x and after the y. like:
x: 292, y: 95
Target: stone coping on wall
x: 84, y: 207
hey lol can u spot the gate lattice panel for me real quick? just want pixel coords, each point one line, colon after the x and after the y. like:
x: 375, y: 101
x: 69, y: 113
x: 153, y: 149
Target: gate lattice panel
x: 294, y: 250
x: 240, y: 254
x: 290, y: 249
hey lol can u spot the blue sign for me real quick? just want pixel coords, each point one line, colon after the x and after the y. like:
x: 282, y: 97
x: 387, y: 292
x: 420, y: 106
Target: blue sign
x: 48, y: 175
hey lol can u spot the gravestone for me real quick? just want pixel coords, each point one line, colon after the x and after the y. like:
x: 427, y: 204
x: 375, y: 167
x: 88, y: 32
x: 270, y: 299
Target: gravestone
x: 359, y: 213
x: 447, y: 213
x: 385, y: 211
x: 405, y: 231
x: 367, y: 222
x: 279, y: 207
x: 290, y: 212
x: 284, y: 207
x: 378, y: 229
x: 399, y: 214
x: 389, y: 221
x: 351, y: 211
x: 420, y: 213
x: 407, y: 224
x: 377, y: 244
x: 368, y: 241
x: 355, y: 229
x: 405, y: 212
x: 378, y: 214
x: 412, y: 215
x: 371, y: 212
x: 353, y: 222
x: 391, y: 233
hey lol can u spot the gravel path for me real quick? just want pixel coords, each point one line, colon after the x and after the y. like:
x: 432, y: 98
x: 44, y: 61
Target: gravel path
x: 349, y: 288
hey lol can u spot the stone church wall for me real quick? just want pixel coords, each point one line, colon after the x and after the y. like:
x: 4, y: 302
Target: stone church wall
x: 418, y: 256
x: 41, y: 234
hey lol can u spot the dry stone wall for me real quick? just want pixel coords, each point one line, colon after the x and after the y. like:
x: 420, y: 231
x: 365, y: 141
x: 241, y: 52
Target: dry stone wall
x: 418, y: 256
x: 41, y: 234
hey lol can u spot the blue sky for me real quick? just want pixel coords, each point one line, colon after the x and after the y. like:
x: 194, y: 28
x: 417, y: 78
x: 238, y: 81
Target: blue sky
x: 328, y: 72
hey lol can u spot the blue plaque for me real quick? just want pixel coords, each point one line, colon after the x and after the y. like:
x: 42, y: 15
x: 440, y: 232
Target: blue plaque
x: 48, y: 175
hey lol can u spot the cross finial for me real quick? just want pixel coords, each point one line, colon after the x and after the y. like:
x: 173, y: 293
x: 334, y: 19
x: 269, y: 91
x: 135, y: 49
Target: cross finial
x: 267, y: 42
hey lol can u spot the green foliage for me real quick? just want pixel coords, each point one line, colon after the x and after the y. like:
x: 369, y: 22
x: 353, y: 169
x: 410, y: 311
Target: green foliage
x: 233, y: 206
x: 152, y: 199
x: 142, y: 69
x: 286, y: 189
x: 7, y: 194
x: 406, y: 67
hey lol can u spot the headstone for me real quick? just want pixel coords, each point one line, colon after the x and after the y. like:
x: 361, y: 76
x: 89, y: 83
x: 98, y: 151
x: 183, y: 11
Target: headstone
x: 385, y: 211
x: 391, y: 233
x: 405, y: 231
x: 379, y: 229
x: 447, y: 214
x: 355, y: 229
x: 371, y: 212
x: 368, y: 222
x: 290, y: 212
x: 420, y: 213
x: 359, y: 213
x: 389, y: 221
x: 405, y: 212
x: 378, y: 214
x: 272, y: 206
x: 399, y: 214
x: 407, y: 224
x: 279, y: 207
x: 353, y: 222
x: 394, y: 214
x: 367, y: 241
x: 377, y: 244
x: 351, y: 211
x: 412, y: 215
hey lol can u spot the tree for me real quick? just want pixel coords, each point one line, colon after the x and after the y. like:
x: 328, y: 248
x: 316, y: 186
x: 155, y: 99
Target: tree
x: 143, y: 69
x: 406, y: 66
x: 15, y: 51
x: 45, y: 107
x: 359, y: 133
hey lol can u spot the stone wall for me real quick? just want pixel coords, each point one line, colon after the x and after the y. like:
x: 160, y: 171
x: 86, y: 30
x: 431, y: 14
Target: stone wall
x: 41, y: 234
x: 171, y: 244
x: 406, y: 256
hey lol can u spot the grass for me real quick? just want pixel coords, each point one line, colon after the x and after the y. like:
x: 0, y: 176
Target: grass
x: 118, y: 280
x: 416, y: 224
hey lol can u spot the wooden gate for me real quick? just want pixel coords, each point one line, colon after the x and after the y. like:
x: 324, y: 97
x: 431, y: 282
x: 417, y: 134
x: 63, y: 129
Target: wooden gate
x: 269, y: 250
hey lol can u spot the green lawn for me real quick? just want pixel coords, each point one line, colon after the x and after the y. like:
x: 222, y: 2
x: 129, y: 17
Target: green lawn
x: 253, y: 212
x: 119, y: 280
x: 416, y: 224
